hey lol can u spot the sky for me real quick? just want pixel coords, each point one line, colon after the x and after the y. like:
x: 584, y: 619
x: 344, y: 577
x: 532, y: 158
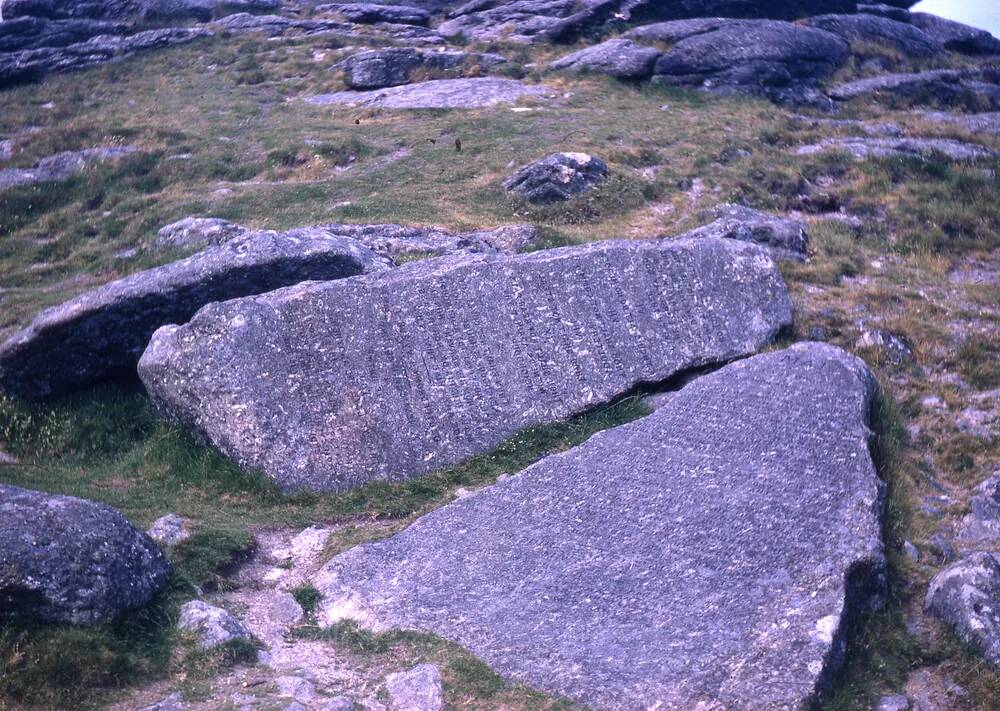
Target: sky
x: 980, y: 13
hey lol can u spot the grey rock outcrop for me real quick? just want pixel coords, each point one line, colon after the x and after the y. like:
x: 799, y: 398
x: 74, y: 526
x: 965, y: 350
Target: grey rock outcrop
x: 400, y: 242
x: 61, y: 166
x: 715, y: 554
x: 893, y: 347
x: 778, y: 59
x: 64, y: 559
x: 212, y: 626
x: 31, y: 64
x: 471, y: 93
x: 367, y: 13
x: 906, y: 38
x: 674, y: 31
x: 102, y: 333
x: 281, y: 26
x: 966, y: 596
x: 418, y: 689
x: 399, y: 374
x: 557, y: 177
x: 32, y: 32
x: 956, y: 36
x: 862, y: 148
x: 200, y: 232
x: 988, y: 123
x: 784, y: 237
x: 393, y: 66
x: 899, y: 14
x: 943, y: 86
x: 620, y: 58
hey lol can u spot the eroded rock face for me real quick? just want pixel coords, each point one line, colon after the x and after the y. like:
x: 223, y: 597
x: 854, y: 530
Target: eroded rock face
x: 784, y: 237
x: 102, y: 333
x: 713, y: 554
x: 557, y: 177
x: 392, y: 376
x: 620, y: 58
x: 401, y: 242
x: 766, y: 57
x: 64, y: 559
x: 966, y: 595
x: 904, y: 37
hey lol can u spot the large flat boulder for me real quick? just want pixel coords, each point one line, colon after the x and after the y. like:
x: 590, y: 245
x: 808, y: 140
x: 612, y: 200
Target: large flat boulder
x: 761, y: 56
x: 924, y: 148
x: 330, y: 386
x: 713, y: 555
x: 64, y: 559
x: 472, y: 93
x: 62, y: 166
x: 956, y: 36
x: 102, y: 333
x: 393, y: 66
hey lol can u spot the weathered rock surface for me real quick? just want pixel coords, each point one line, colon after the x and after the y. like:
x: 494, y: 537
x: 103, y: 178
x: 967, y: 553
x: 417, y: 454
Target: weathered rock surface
x: 956, y: 36
x: 862, y: 148
x: 620, y: 58
x: 714, y: 554
x: 418, y: 689
x: 567, y: 20
x: 966, y: 595
x: 403, y: 242
x: 904, y: 37
x: 891, y: 346
x: 32, y: 63
x: 988, y: 123
x: 133, y: 11
x: 212, y: 626
x: 674, y: 31
x: 202, y: 10
x: 61, y: 166
x: 982, y: 524
x: 280, y: 26
x: 945, y: 86
x: 65, y: 559
x: 102, y: 333
x: 379, y: 68
x: 198, y: 232
x: 557, y: 177
x: 784, y: 237
x: 900, y: 14
x: 368, y: 13
x: 32, y: 32
x: 474, y: 93
x: 395, y: 375
x: 779, y: 59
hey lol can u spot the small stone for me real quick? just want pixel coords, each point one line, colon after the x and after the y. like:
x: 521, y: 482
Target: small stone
x: 213, y: 626
x: 339, y: 703
x: 899, y: 702
x: 286, y: 610
x: 911, y: 551
x: 170, y: 703
x: 893, y: 347
x: 418, y: 689
x: 298, y: 688
x: 6, y: 458
x: 557, y: 177
x: 169, y: 530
